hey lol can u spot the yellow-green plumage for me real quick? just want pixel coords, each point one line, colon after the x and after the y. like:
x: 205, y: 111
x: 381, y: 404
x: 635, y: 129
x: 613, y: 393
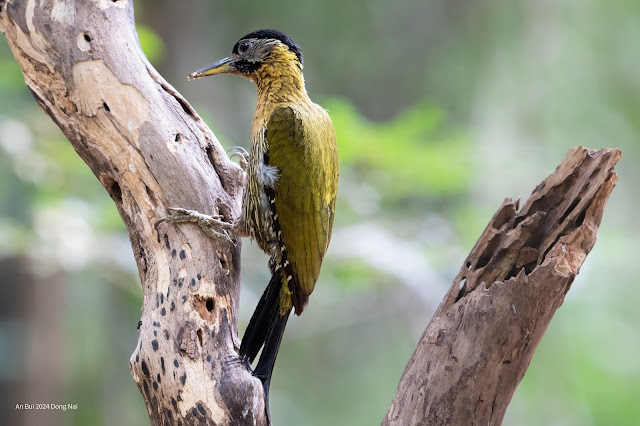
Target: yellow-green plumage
x: 298, y: 139
x: 292, y: 181
x: 301, y: 145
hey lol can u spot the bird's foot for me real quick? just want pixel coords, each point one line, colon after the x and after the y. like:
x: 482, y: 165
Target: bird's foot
x: 213, y: 226
x: 242, y: 154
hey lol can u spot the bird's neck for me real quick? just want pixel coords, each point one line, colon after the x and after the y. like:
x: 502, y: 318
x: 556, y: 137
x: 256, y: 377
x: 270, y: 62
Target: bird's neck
x: 281, y: 83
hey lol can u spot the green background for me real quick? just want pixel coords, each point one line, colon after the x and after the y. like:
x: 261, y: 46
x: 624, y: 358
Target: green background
x: 442, y: 109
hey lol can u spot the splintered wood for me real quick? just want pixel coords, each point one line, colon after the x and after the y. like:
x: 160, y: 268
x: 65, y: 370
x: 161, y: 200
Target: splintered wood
x: 480, y: 341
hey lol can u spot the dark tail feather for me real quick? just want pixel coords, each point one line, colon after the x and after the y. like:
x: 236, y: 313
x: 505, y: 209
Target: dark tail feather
x: 267, y: 360
x: 265, y: 328
x: 258, y: 328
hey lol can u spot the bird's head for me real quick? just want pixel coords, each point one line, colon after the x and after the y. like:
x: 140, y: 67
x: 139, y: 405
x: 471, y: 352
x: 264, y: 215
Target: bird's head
x: 257, y: 55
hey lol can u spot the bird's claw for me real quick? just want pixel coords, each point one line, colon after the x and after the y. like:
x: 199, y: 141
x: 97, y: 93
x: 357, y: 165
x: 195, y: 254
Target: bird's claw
x: 212, y: 225
x: 242, y: 154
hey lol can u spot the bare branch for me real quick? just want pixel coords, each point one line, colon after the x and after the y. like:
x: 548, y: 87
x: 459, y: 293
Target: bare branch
x: 480, y: 341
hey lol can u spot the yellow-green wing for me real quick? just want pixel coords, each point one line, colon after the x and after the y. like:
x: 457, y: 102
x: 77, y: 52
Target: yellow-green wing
x: 302, y: 146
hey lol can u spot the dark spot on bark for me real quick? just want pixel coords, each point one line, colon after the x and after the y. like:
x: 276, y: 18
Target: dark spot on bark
x: 199, y: 277
x: 155, y: 386
x: 87, y: 37
x: 168, y: 292
x: 179, y: 397
x: 488, y: 252
x: 143, y: 259
x: 184, y: 299
x: 157, y: 300
x: 173, y: 253
x: 163, y: 311
x: 154, y: 344
x: 223, y: 262
x: 213, y: 333
x: 462, y: 288
x: 155, y: 333
x: 581, y: 217
x: 201, y: 409
x: 158, y: 238
x: 137, y: 357
x: 569, y: 210
x: 156, y: 324
x: 208, y: 358
x: 194, y: 412
x: 173, y: 306
x: 184, y: 105
x: 183, y: 379
x: 182, y: 254
x: 166, y: 242
x: 159, y: 379
x: 139, y: 324
x: 161, y: 366
x: 199, y: 333
x: 145, y: 369
x: 161, y: 298
x: 115, y: 191
x: 174, y: 403
x: 513, y: 273
x: 506, y: 361
x: 166, y: 334
x: 209, y: 304
x: 106, y: 107
x: 193, y: 282
x: 175, y: 363
x: 178, y: 137
x: 146, y: 390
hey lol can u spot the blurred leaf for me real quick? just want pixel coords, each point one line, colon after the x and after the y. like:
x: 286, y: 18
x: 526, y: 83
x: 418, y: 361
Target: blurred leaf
x: 151, y: 43
x: 415, y: 148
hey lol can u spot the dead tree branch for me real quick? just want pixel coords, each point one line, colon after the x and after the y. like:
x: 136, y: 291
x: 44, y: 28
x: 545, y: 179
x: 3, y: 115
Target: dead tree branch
x: 480, y: 341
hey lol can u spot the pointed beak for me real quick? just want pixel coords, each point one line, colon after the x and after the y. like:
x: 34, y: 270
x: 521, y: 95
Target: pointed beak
x: 220, y: 67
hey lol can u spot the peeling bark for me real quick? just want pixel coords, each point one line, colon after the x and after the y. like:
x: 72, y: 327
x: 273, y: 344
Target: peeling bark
x: 480, y: 341
x: 83, y: 64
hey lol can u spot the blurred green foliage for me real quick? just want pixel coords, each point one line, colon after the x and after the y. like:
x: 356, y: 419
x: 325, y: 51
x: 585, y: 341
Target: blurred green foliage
x: 441, y: 109
x: 413, y: 148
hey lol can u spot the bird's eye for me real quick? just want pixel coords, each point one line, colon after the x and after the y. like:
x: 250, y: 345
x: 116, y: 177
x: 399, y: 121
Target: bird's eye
x: 242, y: 47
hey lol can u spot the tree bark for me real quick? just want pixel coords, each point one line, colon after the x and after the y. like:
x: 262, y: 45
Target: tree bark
x: 83, y: 64
x: 148, y: 147
x: 480, y: 341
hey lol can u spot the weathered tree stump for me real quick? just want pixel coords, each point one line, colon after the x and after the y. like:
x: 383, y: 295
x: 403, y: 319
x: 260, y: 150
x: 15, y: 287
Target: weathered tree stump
x: 480, y: 341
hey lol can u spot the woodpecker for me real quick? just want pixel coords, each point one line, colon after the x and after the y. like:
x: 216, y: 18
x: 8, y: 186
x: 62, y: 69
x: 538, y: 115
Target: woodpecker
x: 291, y: 184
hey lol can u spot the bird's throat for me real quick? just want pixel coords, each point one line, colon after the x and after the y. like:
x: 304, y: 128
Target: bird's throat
x: 280, y: 83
